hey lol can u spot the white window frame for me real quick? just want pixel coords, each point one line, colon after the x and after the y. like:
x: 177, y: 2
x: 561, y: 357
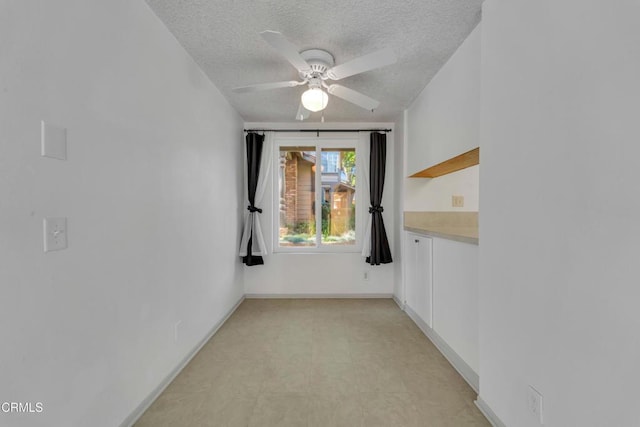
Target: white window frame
x: 319, y: 142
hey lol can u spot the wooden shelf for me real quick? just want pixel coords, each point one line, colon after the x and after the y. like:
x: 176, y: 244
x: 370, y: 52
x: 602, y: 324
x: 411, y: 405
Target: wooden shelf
x: 463, y: 161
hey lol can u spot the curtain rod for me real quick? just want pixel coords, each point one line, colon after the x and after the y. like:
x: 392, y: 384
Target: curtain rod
x: 317, y: 130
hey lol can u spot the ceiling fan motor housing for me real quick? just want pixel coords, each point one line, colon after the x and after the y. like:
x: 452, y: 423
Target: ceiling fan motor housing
x: 319, y: 60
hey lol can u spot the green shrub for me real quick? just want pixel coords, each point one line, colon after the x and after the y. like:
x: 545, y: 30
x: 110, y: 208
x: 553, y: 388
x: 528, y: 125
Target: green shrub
x: 326, y: 219
x: 304, y: 227
x: 296, y: 238
x: 352, y: 217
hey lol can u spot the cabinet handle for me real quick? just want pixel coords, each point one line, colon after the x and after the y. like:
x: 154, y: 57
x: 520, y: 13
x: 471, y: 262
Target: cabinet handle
x: 417, y: 241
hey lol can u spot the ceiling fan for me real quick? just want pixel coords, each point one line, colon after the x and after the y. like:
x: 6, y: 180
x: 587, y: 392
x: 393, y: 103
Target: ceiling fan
x: 315, y: 67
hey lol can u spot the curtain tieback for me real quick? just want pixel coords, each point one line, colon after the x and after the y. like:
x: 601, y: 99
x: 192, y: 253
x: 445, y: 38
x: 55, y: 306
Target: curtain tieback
x: 376, y: 208
x: 253, y: 209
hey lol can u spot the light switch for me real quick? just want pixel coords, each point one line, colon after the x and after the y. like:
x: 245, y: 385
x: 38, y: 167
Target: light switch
x: 55, y: 234
x: 53, y: 141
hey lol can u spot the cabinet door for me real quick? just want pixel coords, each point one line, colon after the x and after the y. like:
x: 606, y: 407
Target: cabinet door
x: 410, y: 269
x: 418, y: 276
x: 455, y: 287
x: 424, y: 275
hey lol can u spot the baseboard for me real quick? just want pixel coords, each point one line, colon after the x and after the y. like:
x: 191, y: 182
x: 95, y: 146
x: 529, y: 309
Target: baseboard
x: 456, y: 361
x: 400, y: 303
x: 330, y: 296
x: 488, y: 413
x: 144, y: 405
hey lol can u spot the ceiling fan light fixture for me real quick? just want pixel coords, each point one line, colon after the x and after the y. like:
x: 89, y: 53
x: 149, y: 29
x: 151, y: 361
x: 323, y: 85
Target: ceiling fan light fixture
x: 315, y: 99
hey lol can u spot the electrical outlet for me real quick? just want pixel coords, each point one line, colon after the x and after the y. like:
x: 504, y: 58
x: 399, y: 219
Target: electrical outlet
x: 534, y: 403
x: 365, y: 276
x: 55, y: 234
x: 457, y: 201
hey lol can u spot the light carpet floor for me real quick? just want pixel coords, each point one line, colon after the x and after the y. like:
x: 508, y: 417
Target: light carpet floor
x: 317, y: 362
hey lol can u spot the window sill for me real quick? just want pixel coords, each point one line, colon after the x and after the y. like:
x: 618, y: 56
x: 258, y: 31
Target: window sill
x: 312, y: 251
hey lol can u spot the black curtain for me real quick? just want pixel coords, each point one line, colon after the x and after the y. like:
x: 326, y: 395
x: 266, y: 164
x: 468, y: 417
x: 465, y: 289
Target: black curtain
x: 380, y: 252
x: 254, y: 154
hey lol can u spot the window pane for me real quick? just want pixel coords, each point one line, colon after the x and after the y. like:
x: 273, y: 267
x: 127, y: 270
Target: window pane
x: 297, y: 196
x: 338, y: 196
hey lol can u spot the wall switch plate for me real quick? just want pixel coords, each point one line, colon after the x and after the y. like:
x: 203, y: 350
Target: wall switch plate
x: 53, y: 141
x: 457, y: 201
x: 55, y: 234
x: 365, y: 276
x: 534, y: 403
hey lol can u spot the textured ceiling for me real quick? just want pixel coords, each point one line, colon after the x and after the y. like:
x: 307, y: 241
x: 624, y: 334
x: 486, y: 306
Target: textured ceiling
x: 223, y: 38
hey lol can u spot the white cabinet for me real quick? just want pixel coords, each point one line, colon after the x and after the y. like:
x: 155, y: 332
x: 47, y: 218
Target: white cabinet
x: 418, y: 276
x: 441, y: 296
x: 444, y: 119
x: 455, y: 297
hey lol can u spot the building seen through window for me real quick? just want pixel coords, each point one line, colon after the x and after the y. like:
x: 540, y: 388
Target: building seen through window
x: 317, y: 212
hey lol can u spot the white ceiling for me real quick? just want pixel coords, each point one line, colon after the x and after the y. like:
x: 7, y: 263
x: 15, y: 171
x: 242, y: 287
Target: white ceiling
x: 223, y: 38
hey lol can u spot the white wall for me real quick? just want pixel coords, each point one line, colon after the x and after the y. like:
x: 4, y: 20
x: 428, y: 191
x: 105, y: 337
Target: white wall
x: 560, y: 233
x: 151, y: 192
x: 444, y: 119
x: 399, y: 194
x: 328, y: 273
x: 424, y: 194
x: 442, y: 123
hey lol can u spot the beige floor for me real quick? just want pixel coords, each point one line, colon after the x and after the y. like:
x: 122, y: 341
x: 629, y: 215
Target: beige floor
x: 317, y: 363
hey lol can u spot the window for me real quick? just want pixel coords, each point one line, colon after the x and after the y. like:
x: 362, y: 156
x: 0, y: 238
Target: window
x: 316, y: 196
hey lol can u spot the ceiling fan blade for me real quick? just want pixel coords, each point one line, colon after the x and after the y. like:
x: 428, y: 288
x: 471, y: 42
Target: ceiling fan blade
x: 354, y: 97
x: 266, y: 86
x: 302, y: 113
x: 286, y: 49
x: 364, y: 63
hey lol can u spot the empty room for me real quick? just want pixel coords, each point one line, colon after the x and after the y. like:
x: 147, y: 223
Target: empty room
x: 334, y: 213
